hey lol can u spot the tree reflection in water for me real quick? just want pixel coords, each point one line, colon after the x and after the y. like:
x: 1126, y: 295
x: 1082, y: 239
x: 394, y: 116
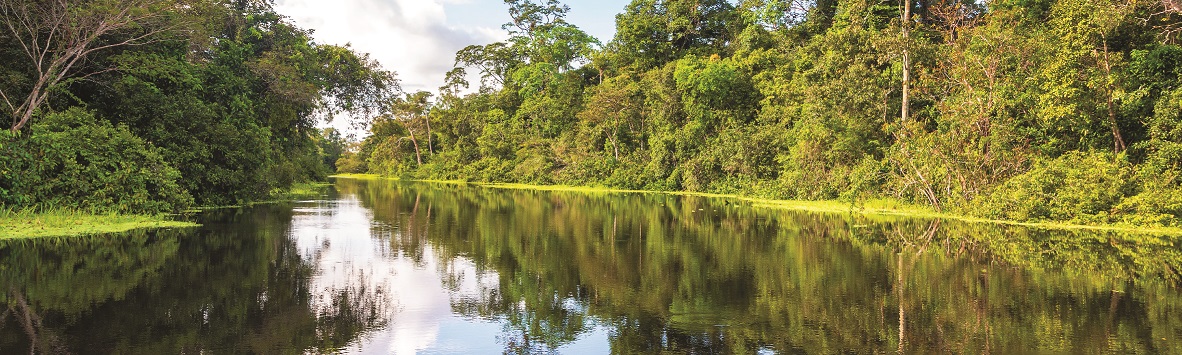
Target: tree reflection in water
x: 692, y: 274
x: 403, y: 267
x: 236, y: 285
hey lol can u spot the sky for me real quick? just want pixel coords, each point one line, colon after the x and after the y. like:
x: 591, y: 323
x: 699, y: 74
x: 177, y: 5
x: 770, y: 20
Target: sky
x: 376, y: 262
x: 418, y: 39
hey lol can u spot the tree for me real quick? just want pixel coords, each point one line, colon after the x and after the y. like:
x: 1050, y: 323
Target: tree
x: 57, y: 37
x: 611, y: 106
x: 548, y: 50
x: 541, y: 34
x: 1083, y: 71
x: 905, y: 17
x: 413, y: 110
x: 494, y: 62
x: 651, y: 33
x: 774, y: 14
x: 332, y: 147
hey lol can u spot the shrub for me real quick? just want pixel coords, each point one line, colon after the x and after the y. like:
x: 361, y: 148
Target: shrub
x: 1155, y: 205
x: 77, y: 161
x: 12, y: 161
x: 1078, y: 186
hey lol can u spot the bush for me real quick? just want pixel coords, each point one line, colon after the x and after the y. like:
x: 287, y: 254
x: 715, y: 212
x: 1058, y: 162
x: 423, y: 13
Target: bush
x: 1155, y: 206
x: 73, y: 160
x: 351, y: 163
x: 12, y: 162
x: 1079, y: 187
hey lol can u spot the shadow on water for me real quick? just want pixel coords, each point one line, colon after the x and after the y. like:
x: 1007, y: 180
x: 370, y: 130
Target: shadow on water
x: 586, y: 272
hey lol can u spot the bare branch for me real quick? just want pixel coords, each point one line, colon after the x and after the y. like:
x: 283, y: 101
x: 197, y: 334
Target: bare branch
x: 7, y: 101
x: 11, y: 13
x: 1174, y: 6
x: 1165, y: 18
x: 59, y: 35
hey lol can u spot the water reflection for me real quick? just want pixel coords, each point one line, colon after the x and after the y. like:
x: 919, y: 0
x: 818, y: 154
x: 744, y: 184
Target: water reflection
x: 683, y: 274
x: 236, y: 285
x: 388, y: 267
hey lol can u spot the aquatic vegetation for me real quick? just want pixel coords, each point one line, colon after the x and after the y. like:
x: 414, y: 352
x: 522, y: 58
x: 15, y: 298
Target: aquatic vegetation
x: 28, y: 223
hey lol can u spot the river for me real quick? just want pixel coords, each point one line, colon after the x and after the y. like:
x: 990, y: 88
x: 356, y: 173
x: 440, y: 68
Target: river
x: 386, y: 267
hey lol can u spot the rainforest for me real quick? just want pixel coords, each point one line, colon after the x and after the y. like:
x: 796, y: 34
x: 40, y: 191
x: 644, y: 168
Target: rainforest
x: 742, y: 176
x: 1018, y: 110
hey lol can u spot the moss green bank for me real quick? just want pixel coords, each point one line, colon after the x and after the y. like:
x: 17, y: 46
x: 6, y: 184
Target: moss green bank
x: 28, y: 224
x: 878, y: 207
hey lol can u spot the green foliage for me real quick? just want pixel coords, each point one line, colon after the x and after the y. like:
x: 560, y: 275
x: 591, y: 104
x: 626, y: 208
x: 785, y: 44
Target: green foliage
x: 79, y: 162
x: 222, y: 106
x: 1078, y: 187
x: 351, y: 163
x: 332, y: 147
x: 650, y: 33
x: 1163, y: 150
x: 12, y: 160
x: 771, y: 99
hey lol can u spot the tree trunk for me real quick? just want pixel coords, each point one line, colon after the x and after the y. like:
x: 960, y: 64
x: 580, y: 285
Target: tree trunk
x: 902, y: 314
x: 1117, y: 139
x: 430, y: 144
x: 418, y: 155
x: 616, y: 139
x: 906, y: 26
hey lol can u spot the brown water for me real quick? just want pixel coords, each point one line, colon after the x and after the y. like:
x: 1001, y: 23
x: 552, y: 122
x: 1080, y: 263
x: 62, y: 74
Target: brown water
x: 384, y: 267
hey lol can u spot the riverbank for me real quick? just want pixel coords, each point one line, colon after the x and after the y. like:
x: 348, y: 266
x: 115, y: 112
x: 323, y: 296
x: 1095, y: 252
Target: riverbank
x: 877, y: 207
x: 27, y: 224
x: 297, y: 192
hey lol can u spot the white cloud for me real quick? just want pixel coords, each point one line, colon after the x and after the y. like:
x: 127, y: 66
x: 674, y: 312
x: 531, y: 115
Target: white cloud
x: 418, y: 39
x: 411, y: 37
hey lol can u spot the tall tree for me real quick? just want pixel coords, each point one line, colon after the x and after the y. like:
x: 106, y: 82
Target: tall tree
x: 905, y: 16
x: 651, y: 33
x: 412, y: 110
x: 57, y: 37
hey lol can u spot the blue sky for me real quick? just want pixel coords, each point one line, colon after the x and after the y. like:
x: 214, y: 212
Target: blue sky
x: 419, y: 38
x: 597, y: 17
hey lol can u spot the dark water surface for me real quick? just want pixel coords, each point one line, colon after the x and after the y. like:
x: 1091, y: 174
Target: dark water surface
x: 399, y: 268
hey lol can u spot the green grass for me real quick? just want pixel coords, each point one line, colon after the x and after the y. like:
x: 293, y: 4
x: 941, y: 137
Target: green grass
x: 26, y: 224
x: 362, y: 177
x: 298, y: 191
x: 29, y: 223
x: 877, y: 207
x: 302, y: 191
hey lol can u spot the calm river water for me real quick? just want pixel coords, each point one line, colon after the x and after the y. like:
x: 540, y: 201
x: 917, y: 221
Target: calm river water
x: 383, y: 267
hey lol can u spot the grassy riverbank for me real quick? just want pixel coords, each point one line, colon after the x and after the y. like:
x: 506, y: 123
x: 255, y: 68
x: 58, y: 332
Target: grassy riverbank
x: 297, y: 192
x: 302, y: 191
x: 26, y: 224
x: 57, y: 223
x: 877, y: 207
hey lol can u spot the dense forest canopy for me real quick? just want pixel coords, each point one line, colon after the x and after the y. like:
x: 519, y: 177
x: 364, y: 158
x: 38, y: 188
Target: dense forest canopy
x: 154, y: 105
x: 1066, y: 110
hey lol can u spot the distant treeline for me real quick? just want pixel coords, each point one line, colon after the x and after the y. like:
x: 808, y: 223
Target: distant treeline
x: 1067, y: 110
x: 147, y: 106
